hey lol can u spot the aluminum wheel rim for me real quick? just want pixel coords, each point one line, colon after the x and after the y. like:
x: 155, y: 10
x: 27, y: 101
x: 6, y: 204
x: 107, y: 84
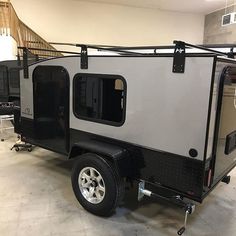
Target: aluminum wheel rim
x: 91, y: 185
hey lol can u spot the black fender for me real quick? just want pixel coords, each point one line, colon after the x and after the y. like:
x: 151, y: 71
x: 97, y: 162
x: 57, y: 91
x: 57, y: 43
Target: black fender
x: 118, y: 155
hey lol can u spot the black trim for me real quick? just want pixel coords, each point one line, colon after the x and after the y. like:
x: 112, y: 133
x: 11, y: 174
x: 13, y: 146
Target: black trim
x: 108, y: 76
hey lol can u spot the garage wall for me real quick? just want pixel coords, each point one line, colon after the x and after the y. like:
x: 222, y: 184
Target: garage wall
x: 7, y: 48
x: 214, y: 32
x: 89, y: 22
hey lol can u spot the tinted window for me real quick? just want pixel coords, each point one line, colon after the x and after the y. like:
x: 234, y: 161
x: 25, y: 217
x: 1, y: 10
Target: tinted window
x: 14, y: 78
x: 100, y: 98
x: 3, y: 81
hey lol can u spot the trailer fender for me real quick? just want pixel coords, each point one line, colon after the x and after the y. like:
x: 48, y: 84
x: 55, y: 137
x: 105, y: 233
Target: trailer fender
x: 118, y: 155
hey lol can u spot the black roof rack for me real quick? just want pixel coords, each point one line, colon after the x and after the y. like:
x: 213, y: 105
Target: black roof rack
x: 133, y: 50
x: 127, y: 49
x: 179, y: 52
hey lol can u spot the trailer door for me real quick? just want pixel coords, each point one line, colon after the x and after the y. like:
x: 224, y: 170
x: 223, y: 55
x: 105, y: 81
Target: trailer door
x: 226, y: 125
x: 51, y: 107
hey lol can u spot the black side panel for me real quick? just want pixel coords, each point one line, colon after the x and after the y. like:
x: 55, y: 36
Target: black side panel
x: 177, y: 172
x: 181, y: 174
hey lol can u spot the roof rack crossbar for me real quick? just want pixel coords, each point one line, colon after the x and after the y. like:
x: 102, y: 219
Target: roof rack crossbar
x: 110, y: 49
x: 200, y: 47
x: 75, y: 44
x: 48, y: 50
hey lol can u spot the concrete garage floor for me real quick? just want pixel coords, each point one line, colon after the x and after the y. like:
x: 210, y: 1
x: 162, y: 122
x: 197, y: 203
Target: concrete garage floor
x: 36, y: 199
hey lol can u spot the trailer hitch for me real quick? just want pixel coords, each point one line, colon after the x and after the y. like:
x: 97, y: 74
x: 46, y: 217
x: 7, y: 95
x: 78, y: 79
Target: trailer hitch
x: 189, y: 208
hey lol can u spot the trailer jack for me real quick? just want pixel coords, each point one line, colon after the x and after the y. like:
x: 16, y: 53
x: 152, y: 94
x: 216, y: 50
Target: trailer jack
x: 189, y: 208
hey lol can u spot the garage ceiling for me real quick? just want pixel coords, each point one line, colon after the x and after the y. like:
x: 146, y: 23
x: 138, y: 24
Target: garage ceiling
x: 191, y: 6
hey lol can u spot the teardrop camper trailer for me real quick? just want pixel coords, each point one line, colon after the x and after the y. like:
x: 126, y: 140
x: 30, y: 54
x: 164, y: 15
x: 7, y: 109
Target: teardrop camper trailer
x: 166, y: 120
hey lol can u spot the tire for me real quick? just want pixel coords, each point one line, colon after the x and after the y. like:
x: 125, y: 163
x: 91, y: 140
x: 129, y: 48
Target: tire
x: 107, y: 177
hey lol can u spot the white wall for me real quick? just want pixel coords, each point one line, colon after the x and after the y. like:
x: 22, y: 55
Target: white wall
x: 7, y: 48
x: 87, y: 22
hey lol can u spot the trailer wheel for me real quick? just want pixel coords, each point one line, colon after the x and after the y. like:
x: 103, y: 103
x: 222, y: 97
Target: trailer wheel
x: 96, y: 184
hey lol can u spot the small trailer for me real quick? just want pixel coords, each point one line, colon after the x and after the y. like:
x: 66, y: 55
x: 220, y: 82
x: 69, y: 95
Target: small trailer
x: 10, y: 78
x: 164, y: 119
x: 10, y: 82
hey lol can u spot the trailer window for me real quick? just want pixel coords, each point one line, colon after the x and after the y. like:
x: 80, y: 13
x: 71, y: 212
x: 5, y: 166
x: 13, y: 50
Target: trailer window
x: 3, y: 81
x: 100, y: 98
x: 14, y: 78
